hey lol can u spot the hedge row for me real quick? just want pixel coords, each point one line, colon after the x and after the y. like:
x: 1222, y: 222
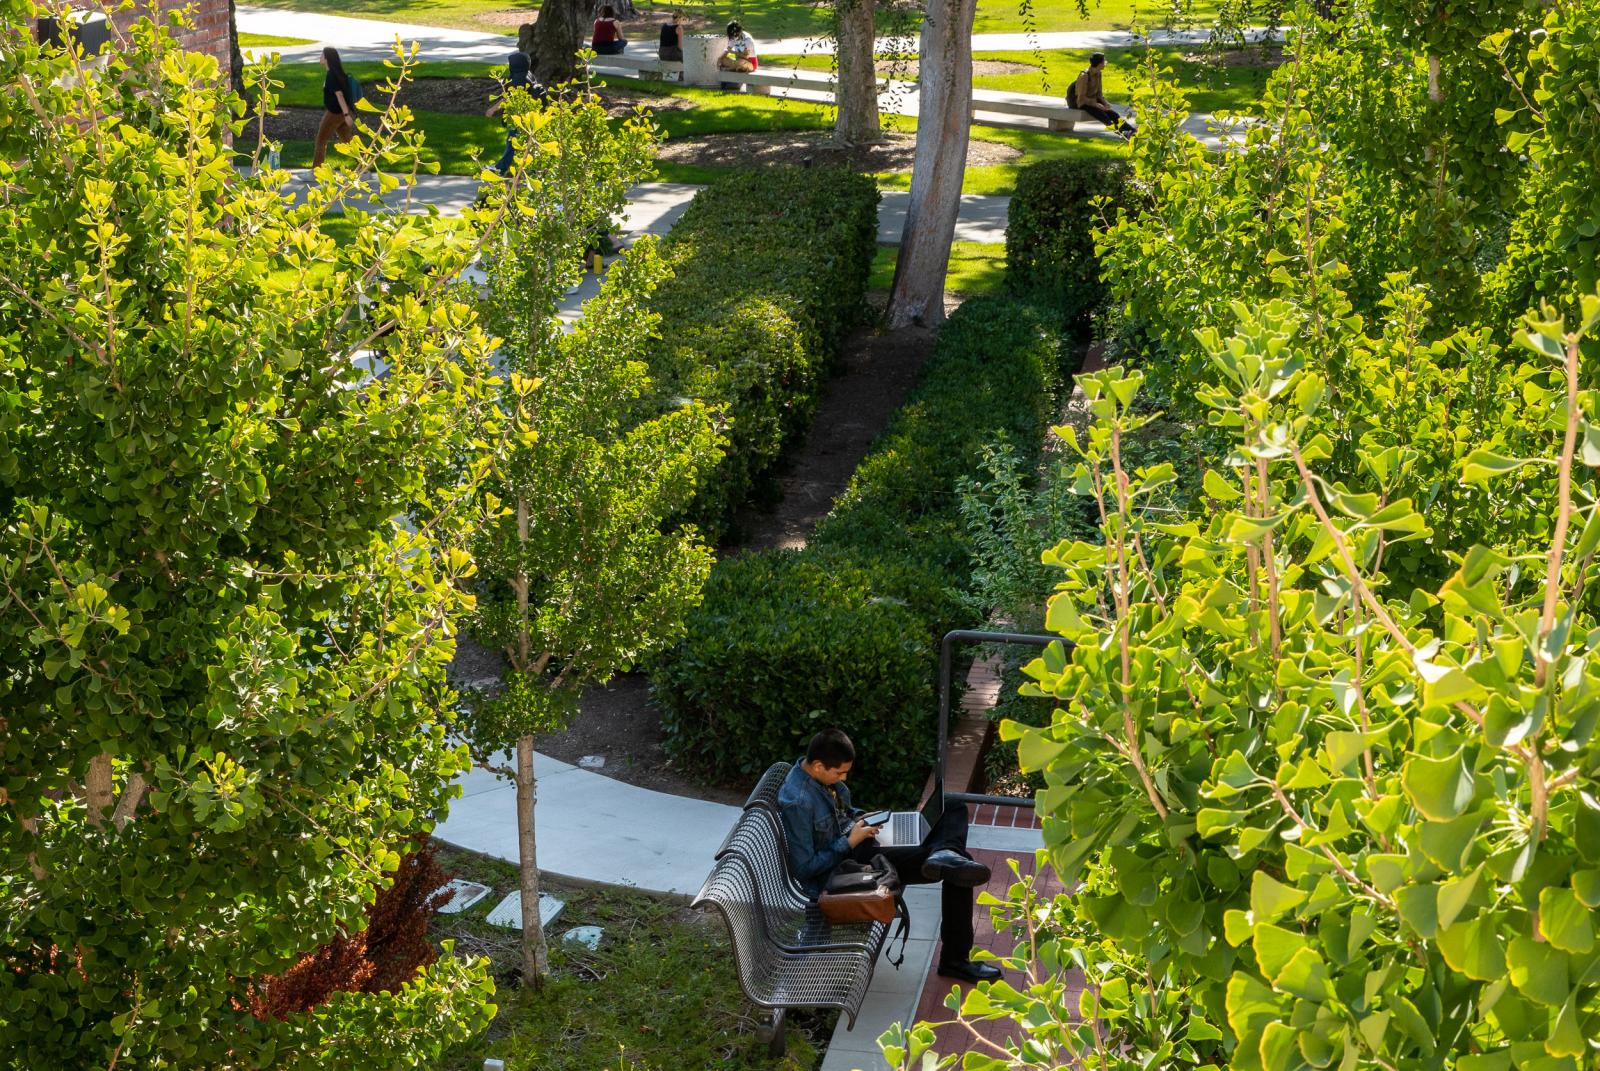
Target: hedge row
x: 846, y: 631
x: 769, y: 273
x: 1050, y: 257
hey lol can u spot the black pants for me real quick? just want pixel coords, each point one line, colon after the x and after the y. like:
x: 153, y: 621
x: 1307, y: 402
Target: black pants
x: 955, y: 901
x: 1109, y: 117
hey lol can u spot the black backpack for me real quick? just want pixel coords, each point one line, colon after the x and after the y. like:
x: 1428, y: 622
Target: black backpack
x: 1072, y: 94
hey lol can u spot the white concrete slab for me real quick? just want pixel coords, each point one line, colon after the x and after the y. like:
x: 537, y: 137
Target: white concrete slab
x: 508, y: 912
x: 594, y: 828
x: 893, y: 995
x: 463, y: 894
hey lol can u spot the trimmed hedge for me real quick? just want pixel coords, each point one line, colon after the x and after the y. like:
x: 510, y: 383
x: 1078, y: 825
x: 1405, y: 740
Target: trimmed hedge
x: 1050, y: 257
x: 846, y: 631
x: 769, y: 274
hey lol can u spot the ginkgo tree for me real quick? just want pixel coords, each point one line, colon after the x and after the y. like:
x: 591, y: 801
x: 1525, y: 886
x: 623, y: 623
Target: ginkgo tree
x: 581, y: 574
x: 231, y: 565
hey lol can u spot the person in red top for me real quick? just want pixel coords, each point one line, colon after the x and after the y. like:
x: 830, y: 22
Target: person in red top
x: 608, y: 39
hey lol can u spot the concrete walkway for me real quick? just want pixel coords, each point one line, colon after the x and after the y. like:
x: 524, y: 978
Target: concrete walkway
x: 653, y: 207
x: 593, y: 828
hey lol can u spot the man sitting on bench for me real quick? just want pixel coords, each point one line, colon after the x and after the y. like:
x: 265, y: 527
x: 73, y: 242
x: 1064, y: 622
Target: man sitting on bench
x: 1087, y: 95
x: 824, y: 830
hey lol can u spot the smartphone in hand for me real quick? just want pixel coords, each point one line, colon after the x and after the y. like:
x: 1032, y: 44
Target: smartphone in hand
x: 875, y: 818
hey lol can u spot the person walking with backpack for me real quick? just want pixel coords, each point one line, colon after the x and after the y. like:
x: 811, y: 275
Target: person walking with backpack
x: 1087, y: 95
x: 339, y: 95
x: 518, y: 76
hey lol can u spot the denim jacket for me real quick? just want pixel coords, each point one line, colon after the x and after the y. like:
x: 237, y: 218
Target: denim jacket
x: 818, y: 833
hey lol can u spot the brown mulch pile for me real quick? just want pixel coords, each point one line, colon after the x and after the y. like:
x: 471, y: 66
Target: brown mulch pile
x: 1258, y: 56
x: 906, y: 69
x: 814, y: 147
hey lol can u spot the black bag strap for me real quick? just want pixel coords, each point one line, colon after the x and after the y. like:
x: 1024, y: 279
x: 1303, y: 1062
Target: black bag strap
x: 902, y: 913
x: 889, y: 878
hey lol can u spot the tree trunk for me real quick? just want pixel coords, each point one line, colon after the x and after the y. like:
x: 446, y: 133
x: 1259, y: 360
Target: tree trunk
x: 857, y: 95
x: 944, y: 115
x: 535, y: 952
x: 561, y: 29
x: 235, y: 55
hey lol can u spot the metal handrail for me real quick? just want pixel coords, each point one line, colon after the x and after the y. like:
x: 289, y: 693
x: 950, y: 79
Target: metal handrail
x: 946, y: 672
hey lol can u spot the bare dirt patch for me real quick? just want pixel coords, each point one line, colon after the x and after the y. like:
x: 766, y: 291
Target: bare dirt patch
x: 1256, y: 56
x: 906, y: 69
x: 753, y: 150
x: 876, y: 372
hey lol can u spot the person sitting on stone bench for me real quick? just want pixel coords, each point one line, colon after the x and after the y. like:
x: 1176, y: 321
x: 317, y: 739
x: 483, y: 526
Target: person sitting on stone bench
x: 824, y: 830
x: 671, y: 46
x: 741, y: 54
x: 607, y: 39
x: 1087, y: 95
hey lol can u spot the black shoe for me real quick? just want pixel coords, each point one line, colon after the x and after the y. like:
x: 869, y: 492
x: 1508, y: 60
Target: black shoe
x: 969, y: 971
x: 946, y: 864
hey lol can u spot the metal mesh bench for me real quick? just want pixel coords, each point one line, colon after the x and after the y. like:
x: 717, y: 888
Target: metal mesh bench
x: 765, y: 794
x: 786, y: 954
x: 792, y: 918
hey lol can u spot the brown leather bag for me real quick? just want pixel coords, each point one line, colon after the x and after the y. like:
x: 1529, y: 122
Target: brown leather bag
x: 867, y: 892
x: 860, y: 895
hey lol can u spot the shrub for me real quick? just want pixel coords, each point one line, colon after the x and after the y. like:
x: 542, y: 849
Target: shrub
x: 379, y: 959
x: 788, y: 643
x: 847, y: 630
x: 769, y: 273
x: 1050, y: 255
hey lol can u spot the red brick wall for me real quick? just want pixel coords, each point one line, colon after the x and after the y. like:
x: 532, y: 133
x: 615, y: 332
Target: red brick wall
x: 208, y: 34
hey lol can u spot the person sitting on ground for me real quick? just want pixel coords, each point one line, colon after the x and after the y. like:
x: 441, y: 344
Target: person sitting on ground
x: 338, y: 118
x: 671, y: 47
x: 608, y: 39
x: 1087, y: 95
x: 741, y: 54
x: 824, y: 830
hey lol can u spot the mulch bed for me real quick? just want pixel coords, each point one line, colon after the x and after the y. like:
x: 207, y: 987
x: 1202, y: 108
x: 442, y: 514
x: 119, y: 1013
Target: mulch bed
x: 814, y: 147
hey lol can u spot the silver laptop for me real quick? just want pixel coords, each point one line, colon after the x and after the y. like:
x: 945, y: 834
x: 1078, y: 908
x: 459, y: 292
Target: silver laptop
x: 910, y: 828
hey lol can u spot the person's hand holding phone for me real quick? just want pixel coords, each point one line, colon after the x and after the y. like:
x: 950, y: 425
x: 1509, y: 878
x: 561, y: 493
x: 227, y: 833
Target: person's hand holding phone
x: 867, y: 827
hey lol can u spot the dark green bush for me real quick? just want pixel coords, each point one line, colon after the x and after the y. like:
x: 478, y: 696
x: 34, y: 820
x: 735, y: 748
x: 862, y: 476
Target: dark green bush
x: 787, y: 643
x: 1050, y: 258
x: 769, y: 274
x: 846, y: 632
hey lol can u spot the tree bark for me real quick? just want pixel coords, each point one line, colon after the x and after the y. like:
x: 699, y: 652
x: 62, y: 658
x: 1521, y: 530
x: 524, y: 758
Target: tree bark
x: 535, y: 952
x: 944, y: 116
x: 561, y: 29
x: 235, y: 55
x: 857, y: 96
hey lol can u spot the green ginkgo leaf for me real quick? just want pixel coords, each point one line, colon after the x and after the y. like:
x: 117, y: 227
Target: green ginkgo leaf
x: 1439, y: 788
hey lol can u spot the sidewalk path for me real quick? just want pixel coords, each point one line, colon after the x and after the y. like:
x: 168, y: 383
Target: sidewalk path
x: 593, y: 828
x: 653, y: 207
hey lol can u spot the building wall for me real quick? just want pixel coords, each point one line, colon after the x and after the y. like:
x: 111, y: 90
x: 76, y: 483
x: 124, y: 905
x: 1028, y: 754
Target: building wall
x: 208, y: 34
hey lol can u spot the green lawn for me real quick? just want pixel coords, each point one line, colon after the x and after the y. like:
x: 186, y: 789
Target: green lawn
x: 1211, y: 87
x: 659, y: 994
x: 770, y: 19
x: 976, y: 268
x: 267, y: 40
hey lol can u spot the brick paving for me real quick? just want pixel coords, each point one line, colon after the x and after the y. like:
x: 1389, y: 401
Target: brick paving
x: 953, y: 1038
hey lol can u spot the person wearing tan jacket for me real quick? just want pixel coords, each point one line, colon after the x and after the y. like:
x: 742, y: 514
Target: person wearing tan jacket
x: 1087, y: 95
